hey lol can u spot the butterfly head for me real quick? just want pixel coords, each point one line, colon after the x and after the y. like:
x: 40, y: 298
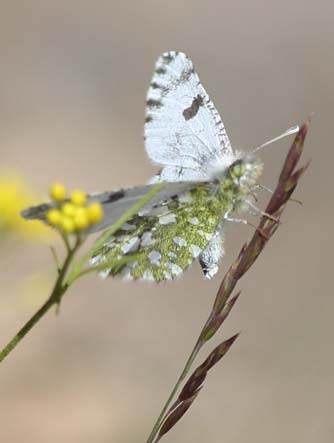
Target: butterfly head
x: 238, y: 180
x: 245, y: 171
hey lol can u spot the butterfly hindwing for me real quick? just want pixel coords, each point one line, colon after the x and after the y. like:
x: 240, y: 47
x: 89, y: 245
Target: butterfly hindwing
x: 162, y: 242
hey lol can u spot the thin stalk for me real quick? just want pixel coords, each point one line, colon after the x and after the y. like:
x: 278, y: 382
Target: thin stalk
x: 55, y: 297
x: 182, y: 376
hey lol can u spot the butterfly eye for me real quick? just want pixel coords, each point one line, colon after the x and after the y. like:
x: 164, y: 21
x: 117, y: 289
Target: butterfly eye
x: 237, y: 170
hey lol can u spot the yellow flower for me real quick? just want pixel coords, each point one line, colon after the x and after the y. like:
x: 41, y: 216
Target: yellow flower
x: 95, y: 213
x: 58, y: 192
x: 78, y: 198
x: 15, y: 195
x: 53, y: 216
x: 68, y: 209
x: 67, y: 224
x: 80, y: 219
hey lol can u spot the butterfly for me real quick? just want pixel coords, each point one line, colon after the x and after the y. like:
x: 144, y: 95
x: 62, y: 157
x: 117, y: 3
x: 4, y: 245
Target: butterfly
x: 207, y: 181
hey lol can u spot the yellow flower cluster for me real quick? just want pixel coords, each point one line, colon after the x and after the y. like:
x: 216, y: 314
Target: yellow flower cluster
x: 73, y: 214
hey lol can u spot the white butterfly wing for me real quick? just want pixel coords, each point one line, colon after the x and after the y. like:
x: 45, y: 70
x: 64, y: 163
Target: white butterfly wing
x: 116, y: 203
x: 183, y: 130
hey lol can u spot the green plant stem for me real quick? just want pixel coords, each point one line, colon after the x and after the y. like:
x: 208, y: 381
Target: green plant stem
x: 183, y: 375
x: 54, y: 299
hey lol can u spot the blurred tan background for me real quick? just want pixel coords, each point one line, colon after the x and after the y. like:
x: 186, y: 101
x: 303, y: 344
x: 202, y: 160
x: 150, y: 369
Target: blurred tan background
x: 73, y: 80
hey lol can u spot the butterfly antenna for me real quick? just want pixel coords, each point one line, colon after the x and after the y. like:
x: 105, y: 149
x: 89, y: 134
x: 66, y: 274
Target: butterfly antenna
x: 289, y: 131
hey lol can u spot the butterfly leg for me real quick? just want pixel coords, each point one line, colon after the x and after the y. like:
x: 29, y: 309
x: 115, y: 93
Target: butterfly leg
x: 260, y: 212
x: 236, y: 220
x: 263, y: 188
x: 270, y: 191
x: 245, y: 222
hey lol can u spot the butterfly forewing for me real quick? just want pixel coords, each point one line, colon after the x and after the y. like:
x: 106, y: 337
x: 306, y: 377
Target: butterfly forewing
x: 116, y: 203
x: 183, y: 130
